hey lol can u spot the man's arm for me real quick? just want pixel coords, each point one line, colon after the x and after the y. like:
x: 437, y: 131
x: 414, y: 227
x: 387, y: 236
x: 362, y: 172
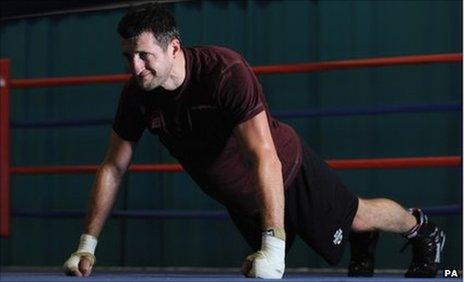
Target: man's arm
x: 104, y: 191
x: 107, y: 182
x: 258, y: 148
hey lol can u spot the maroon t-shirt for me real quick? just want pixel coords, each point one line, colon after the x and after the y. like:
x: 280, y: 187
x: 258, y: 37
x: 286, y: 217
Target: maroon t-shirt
x: 195, y: 122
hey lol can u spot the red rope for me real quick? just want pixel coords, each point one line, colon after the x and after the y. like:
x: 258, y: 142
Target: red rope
x: 93, y: 168
x: 273, y: 69
x: 397, y: 162
x: 71, y: 80
x: 451, y: 161
x: 360, y: 63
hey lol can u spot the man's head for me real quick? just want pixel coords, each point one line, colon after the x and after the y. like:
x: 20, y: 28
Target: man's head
x: 150, y: 42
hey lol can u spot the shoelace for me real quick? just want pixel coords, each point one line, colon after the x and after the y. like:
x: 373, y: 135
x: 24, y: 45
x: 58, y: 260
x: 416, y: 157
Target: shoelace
x: 426, y: 248
x: 430, y: 239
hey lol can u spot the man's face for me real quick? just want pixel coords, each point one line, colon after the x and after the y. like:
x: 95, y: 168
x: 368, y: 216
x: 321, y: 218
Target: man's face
x: 148, y: 62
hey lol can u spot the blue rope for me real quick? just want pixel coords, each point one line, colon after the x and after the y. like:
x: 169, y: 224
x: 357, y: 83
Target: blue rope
x: 305, y: 113
x: 188, y: 214
x: 443, y: 210
x: 139, y: 214
x: 386, y: 109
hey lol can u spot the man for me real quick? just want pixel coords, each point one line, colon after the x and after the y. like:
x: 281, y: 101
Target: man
x: 206, y: 106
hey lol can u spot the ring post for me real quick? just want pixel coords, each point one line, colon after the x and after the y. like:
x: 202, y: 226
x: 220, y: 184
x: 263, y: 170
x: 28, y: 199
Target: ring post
x: 4, y: 147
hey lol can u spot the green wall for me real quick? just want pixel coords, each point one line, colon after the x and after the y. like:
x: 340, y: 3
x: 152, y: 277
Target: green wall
x: 265, y: 32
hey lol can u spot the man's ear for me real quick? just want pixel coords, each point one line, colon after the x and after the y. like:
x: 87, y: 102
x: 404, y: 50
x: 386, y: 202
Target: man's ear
x: 175, y: 44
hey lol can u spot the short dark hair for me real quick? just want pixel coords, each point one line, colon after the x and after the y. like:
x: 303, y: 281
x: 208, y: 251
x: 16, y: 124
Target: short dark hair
x: 150, y: 17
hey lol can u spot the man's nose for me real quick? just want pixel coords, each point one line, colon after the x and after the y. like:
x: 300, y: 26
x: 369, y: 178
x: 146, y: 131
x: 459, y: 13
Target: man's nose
x: 137, y: 65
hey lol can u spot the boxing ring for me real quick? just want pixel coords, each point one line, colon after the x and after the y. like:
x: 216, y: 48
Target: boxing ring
x: 204, y: 277
x: 6, y: 170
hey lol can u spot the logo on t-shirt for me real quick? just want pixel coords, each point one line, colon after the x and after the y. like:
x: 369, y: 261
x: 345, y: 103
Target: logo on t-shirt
x: 338, y: 237
x: 155, y: 121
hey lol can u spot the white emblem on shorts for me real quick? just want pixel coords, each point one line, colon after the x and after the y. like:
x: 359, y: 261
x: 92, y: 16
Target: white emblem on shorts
x: 338, y: 237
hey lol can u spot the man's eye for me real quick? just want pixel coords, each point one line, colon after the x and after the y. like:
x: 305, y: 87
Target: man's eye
x: 143, y: 55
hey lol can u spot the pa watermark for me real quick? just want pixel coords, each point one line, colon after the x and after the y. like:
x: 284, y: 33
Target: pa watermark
x: 451, y: 273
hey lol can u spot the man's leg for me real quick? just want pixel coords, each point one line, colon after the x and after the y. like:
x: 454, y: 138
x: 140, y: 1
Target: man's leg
x: 320, y: 207
x: 362, y: 247
x: 374, y: 215
x: 382, y: 214
x: 426, y: 238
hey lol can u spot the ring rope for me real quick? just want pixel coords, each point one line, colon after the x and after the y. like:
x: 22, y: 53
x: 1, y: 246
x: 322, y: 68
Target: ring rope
x: 272, y: 69
x: 187, y: 214
x: 356, y: 111
x: 416, y: 162
x: 359, y: 63
x: 305, y: 113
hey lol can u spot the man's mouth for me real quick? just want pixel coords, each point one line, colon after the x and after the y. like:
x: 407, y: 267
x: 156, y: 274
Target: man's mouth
x: 143, y: 76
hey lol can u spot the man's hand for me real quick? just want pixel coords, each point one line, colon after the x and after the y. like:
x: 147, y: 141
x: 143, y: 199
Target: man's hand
x: 80, y: 263
x: 269, y: 262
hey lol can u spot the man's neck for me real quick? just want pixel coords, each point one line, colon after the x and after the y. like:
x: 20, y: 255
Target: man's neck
x: 178, y: 72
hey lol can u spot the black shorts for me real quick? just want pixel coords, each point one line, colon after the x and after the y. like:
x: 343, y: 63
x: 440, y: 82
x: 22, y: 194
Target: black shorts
x: 318, y: 208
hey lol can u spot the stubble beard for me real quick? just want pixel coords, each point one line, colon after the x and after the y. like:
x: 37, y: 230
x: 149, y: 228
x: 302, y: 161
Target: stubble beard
x: 149, y: 84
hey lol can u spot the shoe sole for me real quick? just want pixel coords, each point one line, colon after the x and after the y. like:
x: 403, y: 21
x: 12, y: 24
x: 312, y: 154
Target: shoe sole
x: 440, y: 246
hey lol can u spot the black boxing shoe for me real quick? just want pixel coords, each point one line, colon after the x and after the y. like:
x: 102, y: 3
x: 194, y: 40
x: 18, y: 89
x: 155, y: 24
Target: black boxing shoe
x: 363, y: 246
x: 427, y: 242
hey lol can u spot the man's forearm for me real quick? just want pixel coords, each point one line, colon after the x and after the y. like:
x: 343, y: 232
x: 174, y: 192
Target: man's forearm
x: 268, y: 173
x: 103, y: 195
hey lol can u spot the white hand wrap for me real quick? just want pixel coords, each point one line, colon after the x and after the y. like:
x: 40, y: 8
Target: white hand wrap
x: 269, y: 262
x: 86, y: 248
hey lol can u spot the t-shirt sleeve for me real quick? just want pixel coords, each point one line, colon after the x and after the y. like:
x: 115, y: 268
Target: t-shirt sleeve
x: 129, y: 122
x: 240, y: 94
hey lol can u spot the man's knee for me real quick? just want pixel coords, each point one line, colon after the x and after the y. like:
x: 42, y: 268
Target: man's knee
x: 362, y: 220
